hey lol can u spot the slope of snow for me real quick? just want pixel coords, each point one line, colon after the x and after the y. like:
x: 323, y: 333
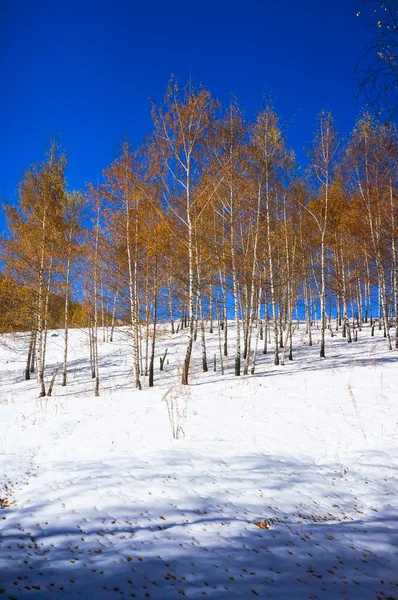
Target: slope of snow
x: 282, y: 485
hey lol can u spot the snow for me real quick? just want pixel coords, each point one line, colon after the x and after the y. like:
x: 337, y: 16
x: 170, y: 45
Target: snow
x: 281, y: 485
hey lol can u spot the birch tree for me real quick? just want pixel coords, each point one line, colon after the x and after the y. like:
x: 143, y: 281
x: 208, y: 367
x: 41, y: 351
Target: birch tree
x: 35, y: 227
x: 181, y: 124
x: 324, y: 155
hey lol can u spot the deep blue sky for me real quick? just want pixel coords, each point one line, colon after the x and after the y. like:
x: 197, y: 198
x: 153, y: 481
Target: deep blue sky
x: 85, y: 69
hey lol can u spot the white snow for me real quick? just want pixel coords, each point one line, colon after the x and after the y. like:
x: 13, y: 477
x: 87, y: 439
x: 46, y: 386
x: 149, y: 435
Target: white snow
x: 101, y: 502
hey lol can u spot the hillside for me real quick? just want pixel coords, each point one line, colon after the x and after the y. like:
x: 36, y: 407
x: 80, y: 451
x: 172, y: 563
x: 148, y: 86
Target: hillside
x: 281, y: 485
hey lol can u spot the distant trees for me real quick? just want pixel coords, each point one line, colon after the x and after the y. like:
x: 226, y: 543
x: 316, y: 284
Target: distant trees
x: 16, y: 302
x: 209, y: 219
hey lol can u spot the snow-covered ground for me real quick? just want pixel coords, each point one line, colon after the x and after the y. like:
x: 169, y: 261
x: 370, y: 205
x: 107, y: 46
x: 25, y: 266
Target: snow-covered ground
x: 283, y: 485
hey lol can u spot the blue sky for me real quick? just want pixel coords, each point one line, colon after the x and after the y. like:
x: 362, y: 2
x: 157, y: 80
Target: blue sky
x: 86, y: 68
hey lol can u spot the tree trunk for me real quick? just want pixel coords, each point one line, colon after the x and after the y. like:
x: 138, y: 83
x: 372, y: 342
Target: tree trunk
x: 191, y: 299
x: 155, y: 314
x: 114, y: 309
x: 30, y: 352
x: 171, y: 305
x: 66, y: 321
x: 95, y: 324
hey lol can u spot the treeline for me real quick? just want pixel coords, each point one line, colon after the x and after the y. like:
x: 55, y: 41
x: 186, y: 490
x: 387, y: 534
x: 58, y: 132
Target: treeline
x: 209, y: 219
x: 18, y: 303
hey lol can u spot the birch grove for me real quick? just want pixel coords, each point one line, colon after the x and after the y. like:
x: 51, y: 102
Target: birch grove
x: 208, y: 228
